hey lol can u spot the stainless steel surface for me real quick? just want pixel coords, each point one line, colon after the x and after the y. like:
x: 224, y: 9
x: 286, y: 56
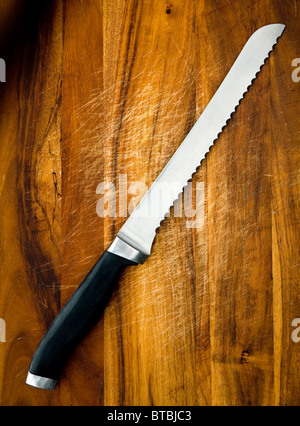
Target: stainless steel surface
x: 122, y: 249
x: 140, y: 229
x: 40, y: 382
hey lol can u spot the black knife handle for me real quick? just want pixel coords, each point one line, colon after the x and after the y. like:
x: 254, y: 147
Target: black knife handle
x: 74, y: 322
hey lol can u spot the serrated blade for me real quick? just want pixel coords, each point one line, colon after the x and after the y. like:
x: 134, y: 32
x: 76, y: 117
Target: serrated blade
x: 140, y: 229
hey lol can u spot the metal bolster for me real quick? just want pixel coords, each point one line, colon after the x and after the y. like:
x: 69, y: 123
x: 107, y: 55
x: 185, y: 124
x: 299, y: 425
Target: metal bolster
x: 122, y: 249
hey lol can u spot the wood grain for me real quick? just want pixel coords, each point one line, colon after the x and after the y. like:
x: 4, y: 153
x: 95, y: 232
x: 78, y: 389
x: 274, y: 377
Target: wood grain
x: 30, y: 223
x: 101, y: 89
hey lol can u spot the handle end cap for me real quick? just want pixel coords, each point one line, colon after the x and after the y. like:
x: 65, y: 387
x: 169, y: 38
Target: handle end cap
x: 40, y: 382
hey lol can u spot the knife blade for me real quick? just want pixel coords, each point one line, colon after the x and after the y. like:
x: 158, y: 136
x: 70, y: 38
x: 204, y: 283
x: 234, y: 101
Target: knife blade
x: 134, y: 241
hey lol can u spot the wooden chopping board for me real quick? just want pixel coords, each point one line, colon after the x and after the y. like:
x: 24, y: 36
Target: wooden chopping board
x: 97, y: 90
